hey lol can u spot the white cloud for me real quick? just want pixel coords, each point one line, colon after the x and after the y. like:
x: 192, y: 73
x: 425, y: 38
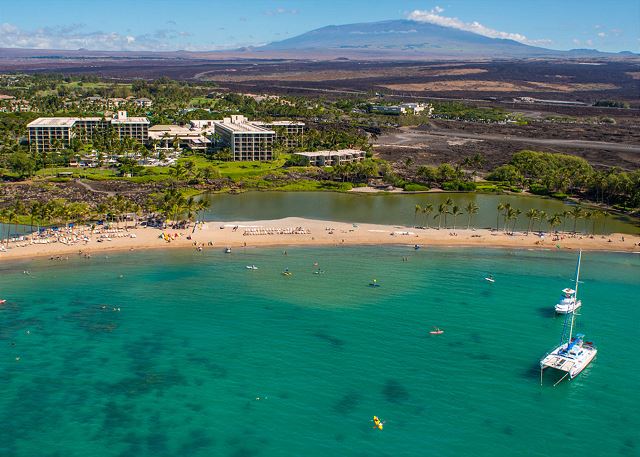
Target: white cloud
x: 576, y: 41
x: 74, y: 37
x: 602, y: 34
x: 433, y: 16
x: 589, y: 42
x: 277, y: 11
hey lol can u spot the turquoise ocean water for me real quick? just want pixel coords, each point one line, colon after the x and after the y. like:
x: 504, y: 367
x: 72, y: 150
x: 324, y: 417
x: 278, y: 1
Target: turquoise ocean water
x: 207, y: 358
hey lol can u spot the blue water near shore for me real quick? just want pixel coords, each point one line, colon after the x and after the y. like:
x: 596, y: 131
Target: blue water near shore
x: 208, y: 358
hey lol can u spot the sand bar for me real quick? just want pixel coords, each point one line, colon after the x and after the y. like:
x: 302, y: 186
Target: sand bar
x: 299, y: 232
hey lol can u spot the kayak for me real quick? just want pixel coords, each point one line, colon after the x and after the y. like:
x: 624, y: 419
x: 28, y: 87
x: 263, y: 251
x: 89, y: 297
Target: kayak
x: 377, y: 423
x: 436, y: 331
x: 374, y: 284
x: 489, y: 279
x: 251, y: 267
x: 287, y: 273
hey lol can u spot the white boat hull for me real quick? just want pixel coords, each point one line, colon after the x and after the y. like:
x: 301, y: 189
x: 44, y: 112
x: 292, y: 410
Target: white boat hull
x: 566, y: 308
x: 571, y: 363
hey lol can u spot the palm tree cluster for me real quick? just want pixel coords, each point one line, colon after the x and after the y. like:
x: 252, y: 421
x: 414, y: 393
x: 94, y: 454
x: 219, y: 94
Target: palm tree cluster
x: 510, y: 215
x: 553, y: 221
x: 445, y: 208
x: 178, y: 208
x: 188, y: 172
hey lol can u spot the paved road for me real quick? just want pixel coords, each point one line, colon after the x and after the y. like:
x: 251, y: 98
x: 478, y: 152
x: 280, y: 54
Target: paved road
x: 414, y: 136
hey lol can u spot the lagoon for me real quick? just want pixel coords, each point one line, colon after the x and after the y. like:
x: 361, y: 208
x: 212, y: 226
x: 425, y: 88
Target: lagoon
x: 391, y: 209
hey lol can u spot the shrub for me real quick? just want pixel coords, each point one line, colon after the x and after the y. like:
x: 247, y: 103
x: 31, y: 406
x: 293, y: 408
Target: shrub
x: 414, y: 187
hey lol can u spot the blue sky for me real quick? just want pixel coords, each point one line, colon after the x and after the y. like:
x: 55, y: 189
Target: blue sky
x: 607, y: 25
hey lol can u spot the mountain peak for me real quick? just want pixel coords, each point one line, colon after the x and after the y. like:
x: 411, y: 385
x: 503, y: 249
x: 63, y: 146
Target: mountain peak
x: 407, y: 38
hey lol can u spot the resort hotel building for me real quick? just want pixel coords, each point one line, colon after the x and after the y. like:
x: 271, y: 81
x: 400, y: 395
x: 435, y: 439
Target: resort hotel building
x: 330, y: 158
x: 290, y: 132
x: 50, y: 133
x: 134, y: 127
x: 251, y: 140
x: 246, y: 140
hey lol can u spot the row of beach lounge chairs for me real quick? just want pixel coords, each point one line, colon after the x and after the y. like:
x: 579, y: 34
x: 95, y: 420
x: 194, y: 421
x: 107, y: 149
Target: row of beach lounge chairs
x: 277, y: 231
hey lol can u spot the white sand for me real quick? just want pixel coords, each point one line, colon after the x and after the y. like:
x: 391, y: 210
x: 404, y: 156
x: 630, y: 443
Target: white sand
x: 320, y: 233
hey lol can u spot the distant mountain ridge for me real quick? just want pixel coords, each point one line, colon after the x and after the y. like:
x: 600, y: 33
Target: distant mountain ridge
x: 411, y: 38
x: 385, y: 40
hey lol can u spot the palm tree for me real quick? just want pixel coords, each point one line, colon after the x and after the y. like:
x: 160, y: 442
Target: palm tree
x: 416, y: 210
x: 191, y: 208
x: 471, y: 209
x: 564, y: 215
x: 501, y: 206
x: 576, y: 213
x: 455, y: 211
x: 12, y: 218
x: 542, y: 216
x: 426, y: 210
x: 447, y: 203
x: 531, y: 215
x: 605, y: 215
x: 34, y: 211
x: 442, y: 209
x: 595, y: 214
x: 588, y: 215
x: 513, y: 215
x: 505, y: 215
x: 554, y: 221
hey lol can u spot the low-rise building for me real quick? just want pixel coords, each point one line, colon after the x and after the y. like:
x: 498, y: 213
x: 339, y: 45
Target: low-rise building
x: 167, y: 135
x: 330, y: 158
x: 403, y: 108
x: 143, y: 102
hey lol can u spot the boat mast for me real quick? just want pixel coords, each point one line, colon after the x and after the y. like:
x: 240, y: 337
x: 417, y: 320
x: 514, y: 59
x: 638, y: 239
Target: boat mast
x: 573, y: 313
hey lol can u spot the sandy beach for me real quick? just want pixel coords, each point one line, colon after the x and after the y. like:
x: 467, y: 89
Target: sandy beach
x: 298, y: 232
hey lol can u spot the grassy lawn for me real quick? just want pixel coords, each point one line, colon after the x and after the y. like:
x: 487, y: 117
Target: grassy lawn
x: 235, y: 170
x: 89, y: 173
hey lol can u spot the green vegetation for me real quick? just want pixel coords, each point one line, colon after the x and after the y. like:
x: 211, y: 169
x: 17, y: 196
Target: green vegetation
x: 559, y: 175
x: 332, y: 124
x: 461, y: 111
x: 611, y: 104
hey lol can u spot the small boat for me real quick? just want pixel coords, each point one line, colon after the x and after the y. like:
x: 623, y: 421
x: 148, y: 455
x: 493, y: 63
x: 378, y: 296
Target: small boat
x: 377, y: 423
x: 374, y: 283
x: 573, y: 354
x: 436, y: 331
x: 490, y: 279
x: 318, y: 272
x: 2, y: 301
x: 251, y: 267
x: 568, y: 302
x: 227, y: 250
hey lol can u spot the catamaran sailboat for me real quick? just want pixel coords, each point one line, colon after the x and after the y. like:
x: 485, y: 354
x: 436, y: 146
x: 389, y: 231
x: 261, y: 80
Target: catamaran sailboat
x: 568, y: 302
x: 574, y: 353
